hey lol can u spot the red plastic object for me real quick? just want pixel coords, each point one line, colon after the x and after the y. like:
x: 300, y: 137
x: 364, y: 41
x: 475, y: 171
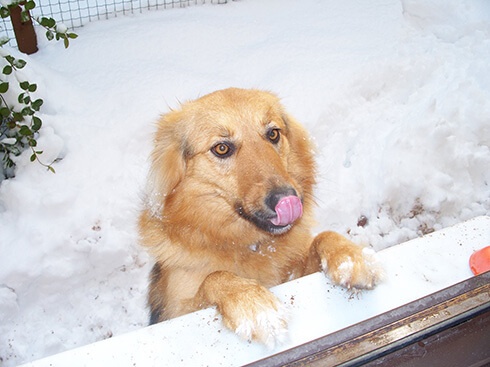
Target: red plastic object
x: 480, y: 261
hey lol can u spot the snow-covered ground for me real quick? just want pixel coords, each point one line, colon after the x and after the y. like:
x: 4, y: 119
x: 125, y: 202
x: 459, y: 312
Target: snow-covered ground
x: 396, y: 94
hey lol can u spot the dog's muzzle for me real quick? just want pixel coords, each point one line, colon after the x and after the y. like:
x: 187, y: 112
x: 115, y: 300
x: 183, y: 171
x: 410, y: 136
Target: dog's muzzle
x: 282, y: 208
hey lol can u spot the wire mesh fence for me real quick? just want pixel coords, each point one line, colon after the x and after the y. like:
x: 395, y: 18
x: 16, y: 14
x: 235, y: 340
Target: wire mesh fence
x: 76, y: 13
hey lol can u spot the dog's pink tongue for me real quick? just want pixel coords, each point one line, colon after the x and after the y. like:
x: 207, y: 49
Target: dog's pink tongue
x: 288, y: 209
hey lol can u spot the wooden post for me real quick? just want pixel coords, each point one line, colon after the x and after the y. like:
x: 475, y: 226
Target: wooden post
x: 24, y: 31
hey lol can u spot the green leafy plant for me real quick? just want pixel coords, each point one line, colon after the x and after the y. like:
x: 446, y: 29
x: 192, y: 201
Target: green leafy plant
x: 19, y: 122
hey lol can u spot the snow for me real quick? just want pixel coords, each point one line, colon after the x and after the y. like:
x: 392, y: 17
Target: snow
x: 395, y: 93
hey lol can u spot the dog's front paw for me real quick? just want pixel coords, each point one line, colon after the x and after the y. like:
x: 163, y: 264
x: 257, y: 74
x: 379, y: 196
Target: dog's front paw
x: 254, y: 313
x: 346, y: 263
x: 358, y: 269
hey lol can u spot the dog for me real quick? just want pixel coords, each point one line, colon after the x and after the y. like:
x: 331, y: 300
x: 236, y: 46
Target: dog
x: 229, y: 210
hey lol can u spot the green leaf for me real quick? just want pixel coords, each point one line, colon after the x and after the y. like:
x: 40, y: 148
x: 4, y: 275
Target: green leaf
x: 4, y: 40
x: 36, y: 105
x: 36, y: 123
x: 17, y: 116
x: 24, y: 130
x: 49, y: 35
x: 51, y: 169
x: 4, y: 112
x: 25, y: 16
x: 24, y: 85
x: 19, y: 64
x: 10, y: 59
x: 47, y: 22
x: 30, y: 5
x: 33, y: 157
x: 4, y: 87
x: 32, y: 88
x: 10, y: 163
x: 72, y: 35
x: 27, y: 111
x: 7, y: 70
x: 66, y: 42
x: 4, y: 12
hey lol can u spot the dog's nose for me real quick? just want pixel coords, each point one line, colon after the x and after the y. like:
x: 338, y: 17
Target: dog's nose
x: 277, y: 194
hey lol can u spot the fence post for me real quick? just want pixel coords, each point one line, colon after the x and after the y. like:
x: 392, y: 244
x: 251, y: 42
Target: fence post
x: 24, y: 31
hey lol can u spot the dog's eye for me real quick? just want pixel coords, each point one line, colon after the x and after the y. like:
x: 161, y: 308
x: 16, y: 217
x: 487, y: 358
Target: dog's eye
x: 274, y: 135
x: 223, y: 150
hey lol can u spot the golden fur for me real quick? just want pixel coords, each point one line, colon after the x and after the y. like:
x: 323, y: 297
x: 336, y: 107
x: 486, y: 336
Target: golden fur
x: 216, y: 163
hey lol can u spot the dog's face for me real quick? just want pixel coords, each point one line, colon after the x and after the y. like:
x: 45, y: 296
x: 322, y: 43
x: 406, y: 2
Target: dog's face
x: 231, y: 157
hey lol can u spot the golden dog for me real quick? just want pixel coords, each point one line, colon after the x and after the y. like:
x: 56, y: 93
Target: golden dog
x: 229, y: 211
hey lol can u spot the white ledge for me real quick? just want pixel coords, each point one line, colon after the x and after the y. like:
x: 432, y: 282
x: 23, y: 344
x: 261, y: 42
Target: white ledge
x: 413, y: 269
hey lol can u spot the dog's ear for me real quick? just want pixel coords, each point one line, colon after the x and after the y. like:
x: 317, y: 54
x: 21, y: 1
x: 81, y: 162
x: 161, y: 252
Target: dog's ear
x: 168, y: 162
x: 301, y: 160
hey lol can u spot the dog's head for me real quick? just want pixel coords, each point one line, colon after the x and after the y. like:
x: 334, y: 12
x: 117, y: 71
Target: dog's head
x: 232, y: 156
